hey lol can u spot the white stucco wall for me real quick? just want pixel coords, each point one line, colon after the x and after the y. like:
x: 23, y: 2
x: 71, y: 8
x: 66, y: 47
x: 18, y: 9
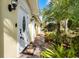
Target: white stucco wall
x: 9, y: 30
x: 1, y: 34
x: 32, y: 30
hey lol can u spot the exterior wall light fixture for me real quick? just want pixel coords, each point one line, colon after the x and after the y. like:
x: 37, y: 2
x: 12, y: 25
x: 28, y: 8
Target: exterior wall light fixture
x: 13, y: 5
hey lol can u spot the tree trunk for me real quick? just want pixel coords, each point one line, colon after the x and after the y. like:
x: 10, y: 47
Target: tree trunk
x: 58, y: 32
x: 58, y: 28
x: 66, y: 26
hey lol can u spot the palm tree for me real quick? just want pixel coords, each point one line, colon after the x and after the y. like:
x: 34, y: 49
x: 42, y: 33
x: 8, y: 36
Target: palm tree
x: 61, y: 10
x: 58, y: 9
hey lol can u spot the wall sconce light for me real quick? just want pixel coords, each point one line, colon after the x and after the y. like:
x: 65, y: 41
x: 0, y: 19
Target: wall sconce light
x: 13, y: 5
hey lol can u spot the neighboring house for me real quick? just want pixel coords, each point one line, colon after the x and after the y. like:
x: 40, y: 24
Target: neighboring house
x: 17, y: 27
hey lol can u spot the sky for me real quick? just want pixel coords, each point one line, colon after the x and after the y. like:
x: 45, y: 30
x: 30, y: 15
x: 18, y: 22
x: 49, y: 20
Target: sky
x: 43, y: 3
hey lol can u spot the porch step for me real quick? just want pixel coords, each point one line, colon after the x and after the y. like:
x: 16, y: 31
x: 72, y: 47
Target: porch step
x: 31, y: 52
x: 28, y: 56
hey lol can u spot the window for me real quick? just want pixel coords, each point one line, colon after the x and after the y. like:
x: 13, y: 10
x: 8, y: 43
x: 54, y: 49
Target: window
x: 24, y: 24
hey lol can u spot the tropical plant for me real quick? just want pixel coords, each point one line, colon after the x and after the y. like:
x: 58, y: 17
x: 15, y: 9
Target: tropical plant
x: 62, y: 10
x: 49, y: 36
x: 58, y: 51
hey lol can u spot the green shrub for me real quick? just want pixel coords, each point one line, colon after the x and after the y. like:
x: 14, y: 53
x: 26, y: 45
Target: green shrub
x: 58, y: 51
x: 49, y: 36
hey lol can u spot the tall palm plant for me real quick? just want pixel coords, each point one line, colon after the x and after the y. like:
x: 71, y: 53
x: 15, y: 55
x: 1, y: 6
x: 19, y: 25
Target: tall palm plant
x: 61, y: 10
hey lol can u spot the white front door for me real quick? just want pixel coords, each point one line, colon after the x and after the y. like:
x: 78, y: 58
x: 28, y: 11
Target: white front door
x: 23, y: 38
